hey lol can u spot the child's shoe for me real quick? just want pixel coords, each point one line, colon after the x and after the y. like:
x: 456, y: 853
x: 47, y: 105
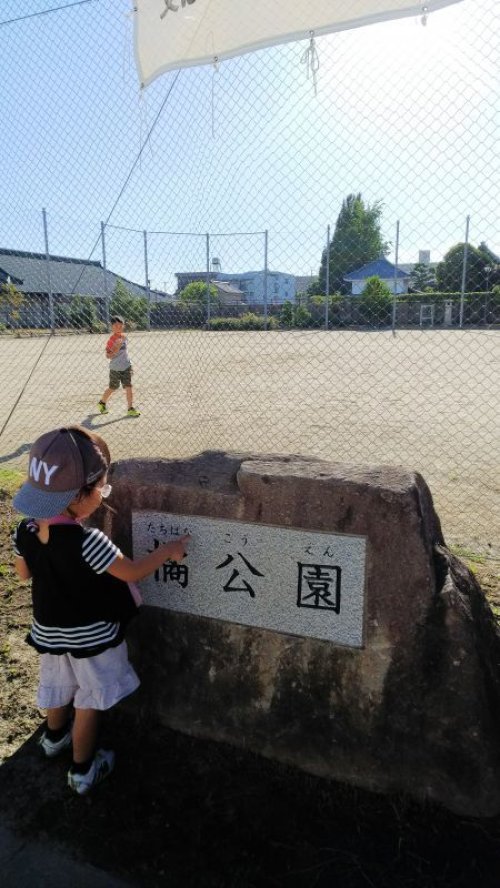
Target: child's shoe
x: 101, y: 406
x: 51, y: 748
x: 132, y: 411
x: 101, y: 767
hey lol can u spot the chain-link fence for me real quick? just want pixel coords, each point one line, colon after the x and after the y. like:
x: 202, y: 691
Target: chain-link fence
x: 303, y: 241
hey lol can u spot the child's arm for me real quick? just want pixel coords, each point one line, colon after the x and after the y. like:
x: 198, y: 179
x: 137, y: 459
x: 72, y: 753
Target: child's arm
x: 22, y: 568
x: 112, y: 348
x: 125, y: 569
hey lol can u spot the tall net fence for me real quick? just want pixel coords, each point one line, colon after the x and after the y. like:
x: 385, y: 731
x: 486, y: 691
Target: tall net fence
x: 303, y: 242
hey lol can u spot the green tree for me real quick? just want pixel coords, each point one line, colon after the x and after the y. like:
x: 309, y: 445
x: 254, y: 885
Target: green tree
x: 196, y: 293
x: 133, y: 308
x: 421, y: 277
x: 376, y: 301
x: 449, y: 271
x: 12, y: 299
x: 356, y: 240
x: 302, y: 317
x: 82, y: 313
x: 286, y: 314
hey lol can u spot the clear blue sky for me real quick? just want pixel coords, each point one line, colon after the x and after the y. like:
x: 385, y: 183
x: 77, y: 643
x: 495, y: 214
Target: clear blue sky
x: 405, y: 114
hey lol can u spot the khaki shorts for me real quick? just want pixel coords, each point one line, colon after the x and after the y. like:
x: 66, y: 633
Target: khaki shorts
x: 89, y: 682
x: 120, y: 376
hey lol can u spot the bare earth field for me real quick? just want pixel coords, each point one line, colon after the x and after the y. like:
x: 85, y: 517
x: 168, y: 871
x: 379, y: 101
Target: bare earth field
x: 426, y: 399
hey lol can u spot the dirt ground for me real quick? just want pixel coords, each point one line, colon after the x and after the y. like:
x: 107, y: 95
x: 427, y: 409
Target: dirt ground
x: 425, y: 399
x: 184, y: 813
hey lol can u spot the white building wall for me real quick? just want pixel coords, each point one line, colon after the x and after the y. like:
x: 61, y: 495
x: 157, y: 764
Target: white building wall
x: 280, y: 286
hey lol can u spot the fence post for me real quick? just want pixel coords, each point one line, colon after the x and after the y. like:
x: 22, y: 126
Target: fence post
x: 106, y: 295
x: 396, y: 258
x: 464, y: 271
x: 266, y: 253
x: 327, y: 276
x: 208, y: 280
x: 146, y: 272
x: 49, y: 277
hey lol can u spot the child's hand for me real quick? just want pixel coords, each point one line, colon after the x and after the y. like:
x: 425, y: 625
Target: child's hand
x: 176, y: 549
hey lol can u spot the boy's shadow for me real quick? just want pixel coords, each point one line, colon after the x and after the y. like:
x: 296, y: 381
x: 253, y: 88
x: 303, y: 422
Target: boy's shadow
x: 88, y: 422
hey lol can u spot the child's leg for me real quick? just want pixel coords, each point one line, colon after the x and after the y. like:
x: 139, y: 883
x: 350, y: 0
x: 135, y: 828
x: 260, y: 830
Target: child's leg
x: 85, y: 731
x: 58, y: 717
x: 107, y: 394
x: 129, y: 395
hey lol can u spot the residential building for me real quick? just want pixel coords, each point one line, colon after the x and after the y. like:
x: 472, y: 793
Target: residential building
x: 64, y: 277
x: 280, y: 286
x: 396, y: 279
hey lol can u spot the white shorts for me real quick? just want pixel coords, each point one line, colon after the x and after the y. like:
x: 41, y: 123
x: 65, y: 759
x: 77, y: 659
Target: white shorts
x: 88, y: 682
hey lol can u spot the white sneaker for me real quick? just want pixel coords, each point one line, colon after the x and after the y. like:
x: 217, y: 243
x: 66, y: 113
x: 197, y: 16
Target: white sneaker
x: 101, y: 767
x: 51, y: 748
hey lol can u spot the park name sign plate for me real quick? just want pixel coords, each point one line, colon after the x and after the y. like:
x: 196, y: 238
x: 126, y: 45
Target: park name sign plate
x: 297, y: 582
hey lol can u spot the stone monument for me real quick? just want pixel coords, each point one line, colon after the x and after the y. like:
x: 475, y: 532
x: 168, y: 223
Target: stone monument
x: 318, y: 619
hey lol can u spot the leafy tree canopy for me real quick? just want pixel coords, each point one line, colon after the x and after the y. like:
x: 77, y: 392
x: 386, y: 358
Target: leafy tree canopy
x: 82, y: 312
x: 449, y: 272
x: 376, y: 289
x: 356, y: 240
x: 376, y: 301
x: 12, y: 299
x: 421, y: 277
x: 196, y: 292
x: 133, y: 308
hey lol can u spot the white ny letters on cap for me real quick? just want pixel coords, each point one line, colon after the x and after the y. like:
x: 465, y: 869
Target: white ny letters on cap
x: 36, y: 466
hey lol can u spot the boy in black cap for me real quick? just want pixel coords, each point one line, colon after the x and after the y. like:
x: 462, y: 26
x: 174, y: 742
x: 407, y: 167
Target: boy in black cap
x: 120, y: 368
x: 83, y: 596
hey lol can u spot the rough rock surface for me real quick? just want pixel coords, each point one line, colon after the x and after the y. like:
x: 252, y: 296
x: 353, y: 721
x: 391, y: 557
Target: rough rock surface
x: 417, y: 709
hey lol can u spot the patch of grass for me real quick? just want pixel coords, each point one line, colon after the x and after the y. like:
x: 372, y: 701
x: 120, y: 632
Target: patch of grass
x: 10, y: 480
x: 5, y: 650
x: 468, y: 554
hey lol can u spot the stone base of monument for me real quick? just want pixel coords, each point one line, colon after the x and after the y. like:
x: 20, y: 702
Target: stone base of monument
x: 318, y: 619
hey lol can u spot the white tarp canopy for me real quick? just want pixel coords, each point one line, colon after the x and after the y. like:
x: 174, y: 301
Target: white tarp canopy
x: 181, y: 33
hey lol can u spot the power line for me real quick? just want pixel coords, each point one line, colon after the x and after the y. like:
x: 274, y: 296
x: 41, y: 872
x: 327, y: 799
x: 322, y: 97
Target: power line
x: 31, y: 15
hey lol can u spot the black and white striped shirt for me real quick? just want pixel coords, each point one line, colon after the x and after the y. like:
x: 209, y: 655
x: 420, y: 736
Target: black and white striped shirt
x: 78, y: 607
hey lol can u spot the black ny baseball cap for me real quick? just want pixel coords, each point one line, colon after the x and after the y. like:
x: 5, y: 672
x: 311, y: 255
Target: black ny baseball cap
x: 61, y: 462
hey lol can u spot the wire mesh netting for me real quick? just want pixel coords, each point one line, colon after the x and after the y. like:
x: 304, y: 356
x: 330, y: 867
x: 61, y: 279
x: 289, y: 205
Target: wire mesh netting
x: 303, y: 242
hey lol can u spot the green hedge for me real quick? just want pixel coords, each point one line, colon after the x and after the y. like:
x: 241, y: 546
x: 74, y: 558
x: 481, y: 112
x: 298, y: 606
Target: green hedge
x: 248, y: 321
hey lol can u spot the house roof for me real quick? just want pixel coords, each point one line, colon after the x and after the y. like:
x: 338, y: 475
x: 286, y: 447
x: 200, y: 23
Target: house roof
x: 68, y: 276
x: 380, y: 267
x: 225, y: 287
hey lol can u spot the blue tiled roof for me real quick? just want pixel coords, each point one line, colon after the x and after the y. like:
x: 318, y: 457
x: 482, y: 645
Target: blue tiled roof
x: 380, y: 267
x: 28, y: 271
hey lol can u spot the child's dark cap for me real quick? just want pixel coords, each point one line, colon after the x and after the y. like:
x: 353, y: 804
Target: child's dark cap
x: 116, y: 319
x: 61, y: 462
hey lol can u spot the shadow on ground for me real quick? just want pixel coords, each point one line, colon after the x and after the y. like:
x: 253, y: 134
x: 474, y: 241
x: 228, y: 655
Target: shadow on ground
x: 193, y: 814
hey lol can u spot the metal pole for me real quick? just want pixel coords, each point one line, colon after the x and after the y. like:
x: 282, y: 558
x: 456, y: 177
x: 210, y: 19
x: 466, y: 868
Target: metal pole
x: 396, y: 257
x: 146, y: 272
x: 464, y: 271
x: 106, y: 294
x: 266, y: 253
x: 327, y: 276
x: 49, y: 278
x: 208, y: 279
